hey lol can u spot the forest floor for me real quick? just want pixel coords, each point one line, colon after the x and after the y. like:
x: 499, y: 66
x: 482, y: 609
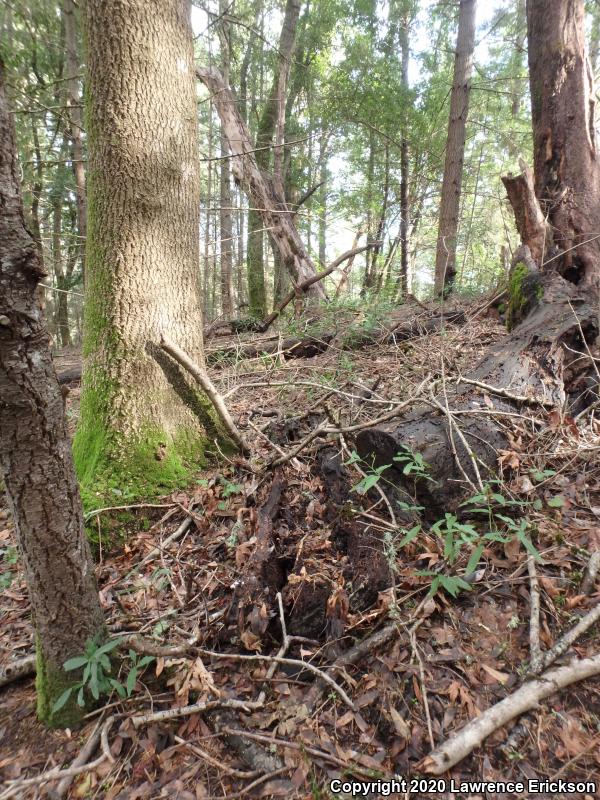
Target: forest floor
x: 325, y: 550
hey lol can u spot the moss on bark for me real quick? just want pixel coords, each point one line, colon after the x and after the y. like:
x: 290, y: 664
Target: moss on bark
x: 50, y: 682
x: 525, y: 290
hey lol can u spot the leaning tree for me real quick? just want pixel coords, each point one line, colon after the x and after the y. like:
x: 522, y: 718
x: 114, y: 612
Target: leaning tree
x: 35, y: 456
x: 547, y: 360
x: 143, y: 425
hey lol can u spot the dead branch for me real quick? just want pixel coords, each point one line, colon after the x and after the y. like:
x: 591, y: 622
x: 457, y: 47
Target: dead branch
x: 461, y: 744
x: 563, y: 644
x: 591, y: 573
x: 16, y: 670
x: 498, y: 390
x: 207, y: 385
x: 305, y: 285
x: 534, y: 620
x: 13, y: 788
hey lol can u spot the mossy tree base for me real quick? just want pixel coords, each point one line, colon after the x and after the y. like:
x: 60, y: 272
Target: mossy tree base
x: 50, y: 682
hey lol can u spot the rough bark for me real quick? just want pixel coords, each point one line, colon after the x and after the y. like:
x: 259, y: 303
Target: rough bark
x: 143, y: 424
x: 404, y: 169
x: 264, y: 196
x: 567, y: 175
x: 445, y: 259
x: 35, y: 455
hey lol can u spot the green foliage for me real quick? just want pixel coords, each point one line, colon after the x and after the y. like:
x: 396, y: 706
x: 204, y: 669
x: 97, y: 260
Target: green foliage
x: 96, y: 680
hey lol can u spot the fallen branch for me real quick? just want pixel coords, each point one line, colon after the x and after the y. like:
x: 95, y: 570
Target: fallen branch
x: 461, y: 744
x: 13, y: 788
x: 498, y: 390
x: 305, y: 285
x: 15, y: 670
x: 563, y: 644
x: 207, y: 385
x: 534, y: 620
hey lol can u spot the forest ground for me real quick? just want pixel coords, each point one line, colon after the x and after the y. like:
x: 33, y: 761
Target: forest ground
x: 313, y: 530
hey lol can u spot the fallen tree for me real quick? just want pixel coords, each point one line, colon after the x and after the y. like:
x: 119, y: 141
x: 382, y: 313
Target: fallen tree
x: 553, y: 284
x: 264, y: 193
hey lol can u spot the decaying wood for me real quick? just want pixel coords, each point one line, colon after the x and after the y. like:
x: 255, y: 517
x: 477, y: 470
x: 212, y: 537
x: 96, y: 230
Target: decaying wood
x: 541, y: 360
x: 527, y: 697
x: 529, y: 217
x: 207, y: 385
x: 15, y: 670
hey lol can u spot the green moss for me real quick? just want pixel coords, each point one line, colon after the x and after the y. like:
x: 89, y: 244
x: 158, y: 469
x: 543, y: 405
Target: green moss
x: 51, y: 681
x: 525, y: 290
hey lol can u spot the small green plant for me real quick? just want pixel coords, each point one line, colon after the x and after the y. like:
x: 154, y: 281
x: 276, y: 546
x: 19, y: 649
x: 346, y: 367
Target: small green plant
x: 96, y: 668
x: 413, y: 463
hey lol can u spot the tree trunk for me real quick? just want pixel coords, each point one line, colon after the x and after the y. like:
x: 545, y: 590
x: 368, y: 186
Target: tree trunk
x: 75, y: 119
x: 260, y: 187
x: 143, y: 425
x: 445, y: 258
x: 567, y: 175
x: 404, y: 167
x: 553, y: 286
x: 35, y: 457
x: 225, y: 212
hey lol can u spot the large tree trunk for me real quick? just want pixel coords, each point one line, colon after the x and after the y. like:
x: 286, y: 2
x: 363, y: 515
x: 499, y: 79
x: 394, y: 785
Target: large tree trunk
x: 143, y: 426
x: 553, y: 291
x: 445, y: 257
x: 35, y: 456
x: 567, y: 174
x: 263, y: 194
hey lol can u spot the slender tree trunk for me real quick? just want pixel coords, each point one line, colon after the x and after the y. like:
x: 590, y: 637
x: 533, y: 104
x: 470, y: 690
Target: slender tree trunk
x: 323, y: 180
x: 368, y: 277
x: 404, y: 167
x: 226, y: 218
x: 75, y: 119
x: 61, y: 313
x: 261, y: 189
x: 35, y: 457
x: 143, y: 426
x: 445, y: 259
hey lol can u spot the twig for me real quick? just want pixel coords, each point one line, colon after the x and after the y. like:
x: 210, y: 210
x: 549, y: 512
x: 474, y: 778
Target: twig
x: 195, y: 708
x: 214, y: 762
x: 294, y: 662
x: 61, y: 774
x: 461, y: 744
x: 302, y: 287
x: 313, y: 751
x: 498, y: 390
x: 534, y: 619
x: 568, y: 639
x: 205, y: 382
x: 591, y: 573
x: 415, y: 648
x: 250, y: 787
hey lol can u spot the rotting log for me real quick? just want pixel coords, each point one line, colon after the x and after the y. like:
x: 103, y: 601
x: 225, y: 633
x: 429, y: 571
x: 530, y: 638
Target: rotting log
x: 541, y: 360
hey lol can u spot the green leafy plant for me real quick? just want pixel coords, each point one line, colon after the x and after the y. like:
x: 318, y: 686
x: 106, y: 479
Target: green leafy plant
x: 96, y: 678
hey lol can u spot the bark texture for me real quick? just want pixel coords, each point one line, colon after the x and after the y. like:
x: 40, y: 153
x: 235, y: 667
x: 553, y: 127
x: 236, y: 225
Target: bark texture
x: 143, y: 424
x: 567, y: 174
x: 264, y: 195
x: 445, y: 258
x: 35, y: 455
